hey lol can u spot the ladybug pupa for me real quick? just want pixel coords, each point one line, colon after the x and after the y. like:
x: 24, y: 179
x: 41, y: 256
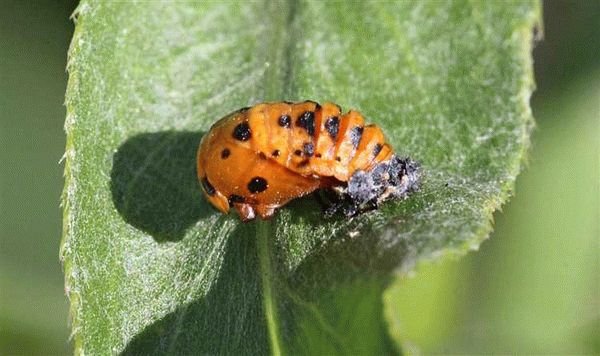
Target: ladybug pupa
x: 257, y: 159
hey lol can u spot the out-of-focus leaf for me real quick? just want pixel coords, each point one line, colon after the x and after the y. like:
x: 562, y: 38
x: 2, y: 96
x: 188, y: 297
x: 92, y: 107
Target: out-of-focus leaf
x: 152, y: 268
x: 532, y: 289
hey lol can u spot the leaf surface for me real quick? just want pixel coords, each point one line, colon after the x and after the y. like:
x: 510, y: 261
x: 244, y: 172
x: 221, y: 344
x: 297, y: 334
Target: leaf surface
x: 152, y: 268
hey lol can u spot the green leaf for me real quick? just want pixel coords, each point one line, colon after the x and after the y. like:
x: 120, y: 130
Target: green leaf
x: 152, y: 268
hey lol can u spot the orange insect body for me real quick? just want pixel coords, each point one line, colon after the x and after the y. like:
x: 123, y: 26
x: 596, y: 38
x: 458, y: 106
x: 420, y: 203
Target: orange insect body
x: 258, y: 159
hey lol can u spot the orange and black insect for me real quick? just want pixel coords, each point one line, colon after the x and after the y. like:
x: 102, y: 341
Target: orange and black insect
x: 257, y: 159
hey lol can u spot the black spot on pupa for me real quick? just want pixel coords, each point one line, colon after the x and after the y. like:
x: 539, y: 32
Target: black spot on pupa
x: 257, y: 185
x: 309, y: 149
x: 225, y: 153
x: 318, y: 155
x: 332, y: 125
x: 285, y: 121
x: 298, y: 152
x: 338, y: 158
x: 208, y: 188
x: 275, y: 153
x: 377, y: 149
x: 242, y: 132
x: 234, y: 198
x: 356, y: 135
x: 262, y: 155
x: 307, y: 121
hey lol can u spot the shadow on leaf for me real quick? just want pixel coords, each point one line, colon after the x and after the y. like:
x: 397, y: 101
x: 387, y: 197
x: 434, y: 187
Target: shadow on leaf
x: 331, y: 304
x: 154, y: 185
x: 232, y: 308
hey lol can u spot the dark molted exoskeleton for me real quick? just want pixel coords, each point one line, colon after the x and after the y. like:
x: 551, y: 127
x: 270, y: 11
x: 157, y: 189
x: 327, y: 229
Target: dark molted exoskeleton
x: 392, y: 179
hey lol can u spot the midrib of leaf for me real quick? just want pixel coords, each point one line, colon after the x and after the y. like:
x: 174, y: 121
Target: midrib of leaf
x: 279, y: 51
x: 263, y: 235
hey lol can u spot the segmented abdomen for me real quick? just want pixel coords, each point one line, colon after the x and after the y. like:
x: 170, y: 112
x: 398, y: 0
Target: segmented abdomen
x: 311, y: 139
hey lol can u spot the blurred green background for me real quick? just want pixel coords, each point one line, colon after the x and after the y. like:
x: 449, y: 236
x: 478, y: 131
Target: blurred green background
x: 534, y: 287
x: 34, y: 38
